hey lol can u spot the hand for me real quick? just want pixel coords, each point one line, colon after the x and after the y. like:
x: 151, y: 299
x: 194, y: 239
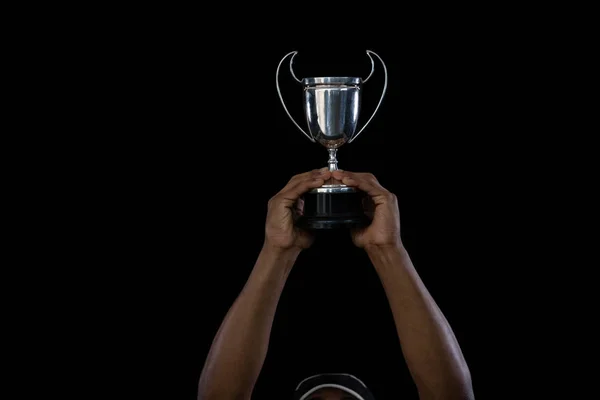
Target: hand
x: 280, y: 231
x: 384, y: 229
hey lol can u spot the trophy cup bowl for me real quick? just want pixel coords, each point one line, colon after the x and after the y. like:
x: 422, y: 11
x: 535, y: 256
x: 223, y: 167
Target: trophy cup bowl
x: 332, y: 108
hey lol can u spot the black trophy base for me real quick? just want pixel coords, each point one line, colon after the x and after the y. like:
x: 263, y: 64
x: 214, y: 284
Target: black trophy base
x: 333, y: 210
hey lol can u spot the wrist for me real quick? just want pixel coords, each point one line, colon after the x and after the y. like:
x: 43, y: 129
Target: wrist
x: 382, y: 256
x: 272, y: 268
x: 377, y: 249
x: 281, y: 246
x: 277, y: 253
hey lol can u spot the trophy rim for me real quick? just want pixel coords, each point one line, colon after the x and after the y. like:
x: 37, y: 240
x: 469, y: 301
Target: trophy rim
x: 332, y: 80
x: 333, y: 189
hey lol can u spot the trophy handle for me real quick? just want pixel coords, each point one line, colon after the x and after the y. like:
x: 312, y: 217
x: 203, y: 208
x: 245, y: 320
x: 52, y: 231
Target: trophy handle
x: 369, y: 52
x: 279, y: 91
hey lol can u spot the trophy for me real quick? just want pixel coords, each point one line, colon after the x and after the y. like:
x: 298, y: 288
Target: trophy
x: 332, y: 107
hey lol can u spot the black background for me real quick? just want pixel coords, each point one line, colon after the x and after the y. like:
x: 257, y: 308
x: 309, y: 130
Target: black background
x: 194, y: 141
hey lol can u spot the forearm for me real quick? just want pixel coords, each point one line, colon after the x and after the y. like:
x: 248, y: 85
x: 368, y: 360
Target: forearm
x: 240, y: 346
x: 429, y: 346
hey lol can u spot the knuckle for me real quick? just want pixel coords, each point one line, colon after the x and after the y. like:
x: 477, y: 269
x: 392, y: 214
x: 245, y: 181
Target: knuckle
x: 312, y: 175
x: 366, y: 176
x: 370, y: 177
x: 391, y: 197
x: 298, y: 177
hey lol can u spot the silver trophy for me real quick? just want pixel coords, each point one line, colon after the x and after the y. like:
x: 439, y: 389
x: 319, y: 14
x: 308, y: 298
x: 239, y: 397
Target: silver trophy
x: 332, y: 108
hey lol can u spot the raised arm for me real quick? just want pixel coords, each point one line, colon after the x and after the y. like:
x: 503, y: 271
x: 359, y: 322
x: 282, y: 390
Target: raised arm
x: 432, y: 353
x: 239, y: 348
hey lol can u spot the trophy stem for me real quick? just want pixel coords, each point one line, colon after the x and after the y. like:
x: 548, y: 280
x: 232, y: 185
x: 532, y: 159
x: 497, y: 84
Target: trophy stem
x: 332, y: 163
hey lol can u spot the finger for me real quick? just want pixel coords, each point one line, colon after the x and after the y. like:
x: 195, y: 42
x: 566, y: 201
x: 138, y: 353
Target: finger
x: 303, y: 176
x: 291, y: 194
x: 363, y: 181
x: 298, y: 185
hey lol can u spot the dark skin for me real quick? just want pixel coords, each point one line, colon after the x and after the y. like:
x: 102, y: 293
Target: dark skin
x: 428, y: 344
